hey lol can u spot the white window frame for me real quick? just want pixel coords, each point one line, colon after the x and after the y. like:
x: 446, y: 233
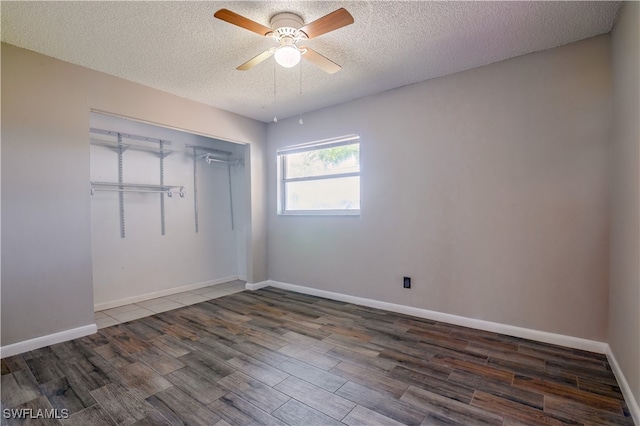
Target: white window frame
x: 312, y: 146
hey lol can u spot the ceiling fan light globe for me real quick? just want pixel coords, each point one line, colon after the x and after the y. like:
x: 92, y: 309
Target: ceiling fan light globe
x: 287, y: 56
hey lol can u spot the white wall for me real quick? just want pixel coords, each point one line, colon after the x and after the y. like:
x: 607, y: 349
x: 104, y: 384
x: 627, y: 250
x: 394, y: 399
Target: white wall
x: 624, y: 277
x: 487, y: 187
x: 145, y: 261
x: 46, y: 230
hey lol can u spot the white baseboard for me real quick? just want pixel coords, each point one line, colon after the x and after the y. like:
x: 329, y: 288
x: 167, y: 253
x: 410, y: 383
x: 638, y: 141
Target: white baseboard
x: 257, y: 286
x: 629, y: 398
x: 525, y: 333
x: 49, y: 339
x: 161, y: 293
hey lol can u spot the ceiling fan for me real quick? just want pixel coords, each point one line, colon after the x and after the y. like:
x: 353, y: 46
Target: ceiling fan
x: 287, y: 29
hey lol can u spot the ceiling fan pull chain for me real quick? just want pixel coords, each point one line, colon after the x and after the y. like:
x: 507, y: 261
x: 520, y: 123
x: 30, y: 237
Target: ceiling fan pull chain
x: 275, y: 117
x: 300, y: 96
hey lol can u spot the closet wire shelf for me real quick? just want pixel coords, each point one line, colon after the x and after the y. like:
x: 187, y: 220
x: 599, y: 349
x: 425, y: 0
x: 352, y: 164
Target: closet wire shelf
x: 124, y: 146
x: 137, y: 187
x: 120, y: 186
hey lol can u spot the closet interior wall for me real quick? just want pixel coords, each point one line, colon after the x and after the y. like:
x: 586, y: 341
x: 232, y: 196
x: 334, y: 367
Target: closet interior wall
x: 144, y: 263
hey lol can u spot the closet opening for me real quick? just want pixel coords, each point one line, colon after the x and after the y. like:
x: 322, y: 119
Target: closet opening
x: 168, y: 213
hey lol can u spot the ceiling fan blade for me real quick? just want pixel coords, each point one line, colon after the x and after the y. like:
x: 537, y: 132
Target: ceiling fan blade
x: 320, y: 61
x: 255, y: 61
x: 241, y: 21
x: 336, y: 19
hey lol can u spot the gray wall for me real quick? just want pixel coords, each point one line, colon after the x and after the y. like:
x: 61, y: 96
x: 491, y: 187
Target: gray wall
x: 487, y: 187
x: 46, y: 231
x: 624, y: 277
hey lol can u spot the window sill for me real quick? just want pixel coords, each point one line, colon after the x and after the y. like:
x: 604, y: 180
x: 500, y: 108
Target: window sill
x: 320, y: 213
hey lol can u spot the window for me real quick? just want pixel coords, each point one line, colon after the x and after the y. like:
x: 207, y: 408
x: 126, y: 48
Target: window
x: 321, y: 178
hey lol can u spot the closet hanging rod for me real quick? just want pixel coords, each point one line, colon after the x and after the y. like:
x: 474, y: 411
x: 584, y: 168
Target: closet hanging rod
x: 216, y: 160
x: 211, y: 159
x: 154, y: 191
x: 135, y: 185
x: 127, y: 136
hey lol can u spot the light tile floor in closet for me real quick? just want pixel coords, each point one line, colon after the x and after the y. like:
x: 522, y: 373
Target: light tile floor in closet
x: 133, y: 311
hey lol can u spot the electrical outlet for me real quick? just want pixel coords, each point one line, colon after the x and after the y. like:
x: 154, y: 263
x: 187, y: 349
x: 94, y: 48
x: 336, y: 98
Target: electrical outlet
x: 406, y: 282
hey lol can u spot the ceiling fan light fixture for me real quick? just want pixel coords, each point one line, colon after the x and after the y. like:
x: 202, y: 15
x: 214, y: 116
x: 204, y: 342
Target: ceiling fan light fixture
x: 287, y: 56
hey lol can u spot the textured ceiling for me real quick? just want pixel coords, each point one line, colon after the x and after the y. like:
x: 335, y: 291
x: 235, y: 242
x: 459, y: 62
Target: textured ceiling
x: 180, y: 48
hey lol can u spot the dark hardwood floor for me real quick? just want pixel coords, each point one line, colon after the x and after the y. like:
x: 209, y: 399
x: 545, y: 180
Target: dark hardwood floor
x: 276, y: 357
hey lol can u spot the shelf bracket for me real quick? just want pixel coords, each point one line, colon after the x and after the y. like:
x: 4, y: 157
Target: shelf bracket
x: 120, y: 181
x: 195, y: 186
x: 162, y: 156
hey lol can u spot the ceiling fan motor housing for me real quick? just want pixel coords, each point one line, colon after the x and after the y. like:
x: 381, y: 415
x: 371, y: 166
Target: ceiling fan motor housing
x: 286, y: 25
x: 286, y: 20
